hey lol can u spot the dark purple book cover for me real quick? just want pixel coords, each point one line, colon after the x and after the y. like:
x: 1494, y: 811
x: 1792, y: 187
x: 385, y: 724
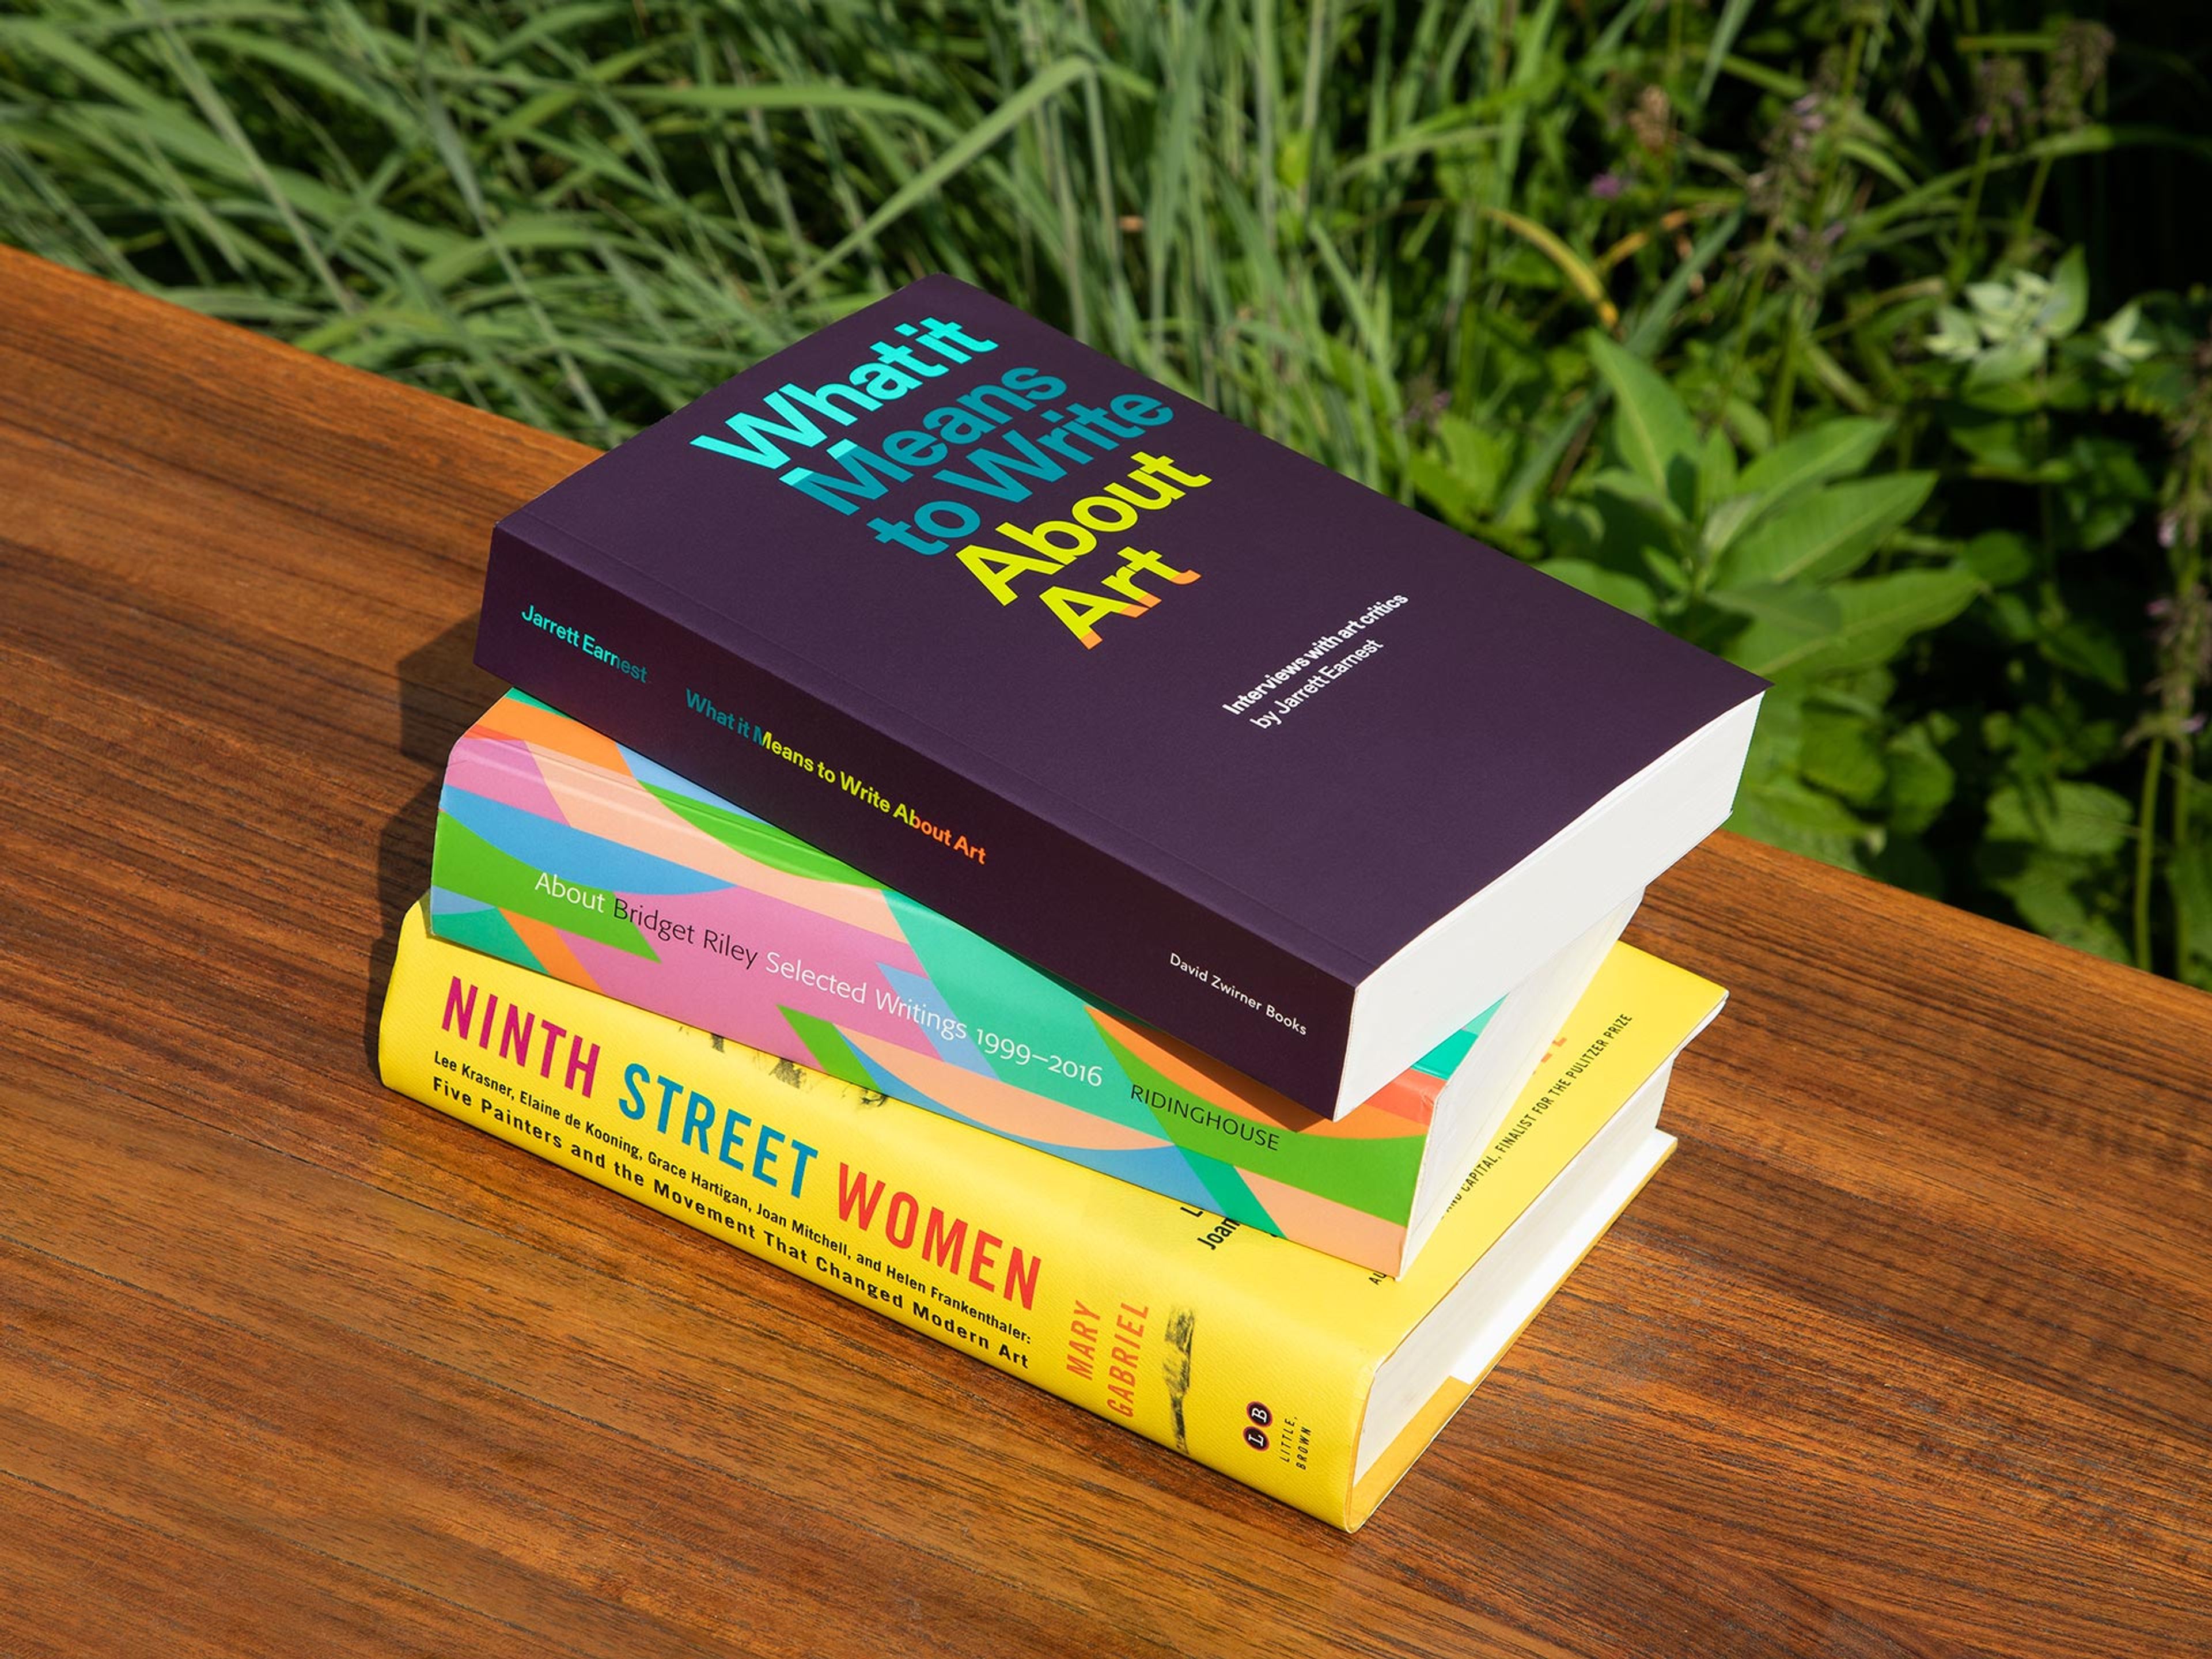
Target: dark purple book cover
x: 1175, y: 712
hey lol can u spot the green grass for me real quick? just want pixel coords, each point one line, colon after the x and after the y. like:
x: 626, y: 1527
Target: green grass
x: 1502, y: 258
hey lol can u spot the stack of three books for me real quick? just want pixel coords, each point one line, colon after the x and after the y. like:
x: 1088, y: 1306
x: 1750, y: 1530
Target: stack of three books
x: 1230, y: 1033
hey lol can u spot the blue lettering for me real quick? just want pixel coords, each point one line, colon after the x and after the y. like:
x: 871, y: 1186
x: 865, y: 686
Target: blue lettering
x: 698, y: 1114
x: 734, y: 1141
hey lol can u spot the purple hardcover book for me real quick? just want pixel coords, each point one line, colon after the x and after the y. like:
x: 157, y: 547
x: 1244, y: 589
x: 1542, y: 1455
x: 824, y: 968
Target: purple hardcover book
x: 1224, y: 739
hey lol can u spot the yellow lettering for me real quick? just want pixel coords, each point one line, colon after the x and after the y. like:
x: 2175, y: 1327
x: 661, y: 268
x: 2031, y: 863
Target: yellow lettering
x: 996, y: 571
x: 1080, y: 610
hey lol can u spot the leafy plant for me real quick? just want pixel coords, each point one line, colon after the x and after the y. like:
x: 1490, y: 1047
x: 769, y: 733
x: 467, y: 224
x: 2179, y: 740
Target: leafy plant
x: 1768, y: 562
x: 1862, y: 340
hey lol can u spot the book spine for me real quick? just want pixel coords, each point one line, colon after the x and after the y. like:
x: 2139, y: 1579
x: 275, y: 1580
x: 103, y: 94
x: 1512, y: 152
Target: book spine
x: 1102, y: 1294
x: 559, y: 852
x: 631, y: 668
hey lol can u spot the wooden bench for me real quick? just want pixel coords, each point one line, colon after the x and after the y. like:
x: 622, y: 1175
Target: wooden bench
x: 1905, y: 1353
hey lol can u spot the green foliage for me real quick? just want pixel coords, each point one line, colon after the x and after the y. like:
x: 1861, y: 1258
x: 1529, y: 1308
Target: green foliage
x: 1814, y: 330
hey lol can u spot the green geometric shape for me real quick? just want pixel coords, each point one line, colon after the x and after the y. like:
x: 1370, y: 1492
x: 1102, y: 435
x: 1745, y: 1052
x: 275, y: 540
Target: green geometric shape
x: 763, y: 843
x: 1224, y: 1184
x: 1444, y: 1060
x: 831, y: 1053
x: 464, y: 862
x: 490, y: 932
x: 1373, y: 1175
x: 991, y: 991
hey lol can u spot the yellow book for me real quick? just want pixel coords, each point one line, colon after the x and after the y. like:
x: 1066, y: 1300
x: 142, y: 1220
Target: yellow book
x: 1309, y: 1379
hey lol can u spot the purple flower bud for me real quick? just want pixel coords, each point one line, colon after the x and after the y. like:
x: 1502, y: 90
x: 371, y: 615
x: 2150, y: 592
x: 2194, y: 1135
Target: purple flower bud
x: 1606, y: 187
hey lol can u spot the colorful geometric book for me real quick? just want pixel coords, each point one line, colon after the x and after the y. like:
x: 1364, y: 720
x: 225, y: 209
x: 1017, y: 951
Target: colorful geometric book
x: 565, y: 852
x: 1305, y: 1377
x: 1235, y: 745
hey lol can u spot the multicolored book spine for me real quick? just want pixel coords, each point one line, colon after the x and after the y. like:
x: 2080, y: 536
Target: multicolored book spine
x: 562, y: 851
x: 1305, y: 1377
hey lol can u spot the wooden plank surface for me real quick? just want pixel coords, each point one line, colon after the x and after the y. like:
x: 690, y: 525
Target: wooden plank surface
x: 1905, y: 1353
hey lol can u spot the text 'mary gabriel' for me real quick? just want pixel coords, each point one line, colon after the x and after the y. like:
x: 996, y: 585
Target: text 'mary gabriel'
x: 1228, y: 741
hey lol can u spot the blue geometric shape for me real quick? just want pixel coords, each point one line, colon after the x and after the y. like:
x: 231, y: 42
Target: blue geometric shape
x: 572, y: 854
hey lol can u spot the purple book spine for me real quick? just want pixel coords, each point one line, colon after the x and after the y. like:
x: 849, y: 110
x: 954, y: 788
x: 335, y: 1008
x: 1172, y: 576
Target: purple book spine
x: 704, y: 711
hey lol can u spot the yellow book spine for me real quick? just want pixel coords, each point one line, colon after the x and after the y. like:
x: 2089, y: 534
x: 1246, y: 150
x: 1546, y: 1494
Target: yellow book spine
x: 1244, y: 1351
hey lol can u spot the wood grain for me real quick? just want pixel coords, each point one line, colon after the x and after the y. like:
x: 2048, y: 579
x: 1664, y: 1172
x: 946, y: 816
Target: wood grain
x: 1905, y: 1354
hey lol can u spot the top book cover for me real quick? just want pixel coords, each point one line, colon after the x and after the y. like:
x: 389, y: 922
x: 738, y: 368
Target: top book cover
x: 1228, y: 741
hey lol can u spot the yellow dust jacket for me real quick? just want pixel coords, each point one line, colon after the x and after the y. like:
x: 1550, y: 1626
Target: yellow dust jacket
x: 1306, y: 1377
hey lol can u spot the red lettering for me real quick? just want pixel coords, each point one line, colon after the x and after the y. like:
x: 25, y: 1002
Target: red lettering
x: 943, y: 1244
x: 553, y: 1036
x: 1022, y: 1276
x: 454, y: 1003
x: 515, y: 1035
x: 853, y: 1193
x: 902, y: 1235
x: 985, y: 1257
x: 1122, y: 1395
x: 589, y: 1065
